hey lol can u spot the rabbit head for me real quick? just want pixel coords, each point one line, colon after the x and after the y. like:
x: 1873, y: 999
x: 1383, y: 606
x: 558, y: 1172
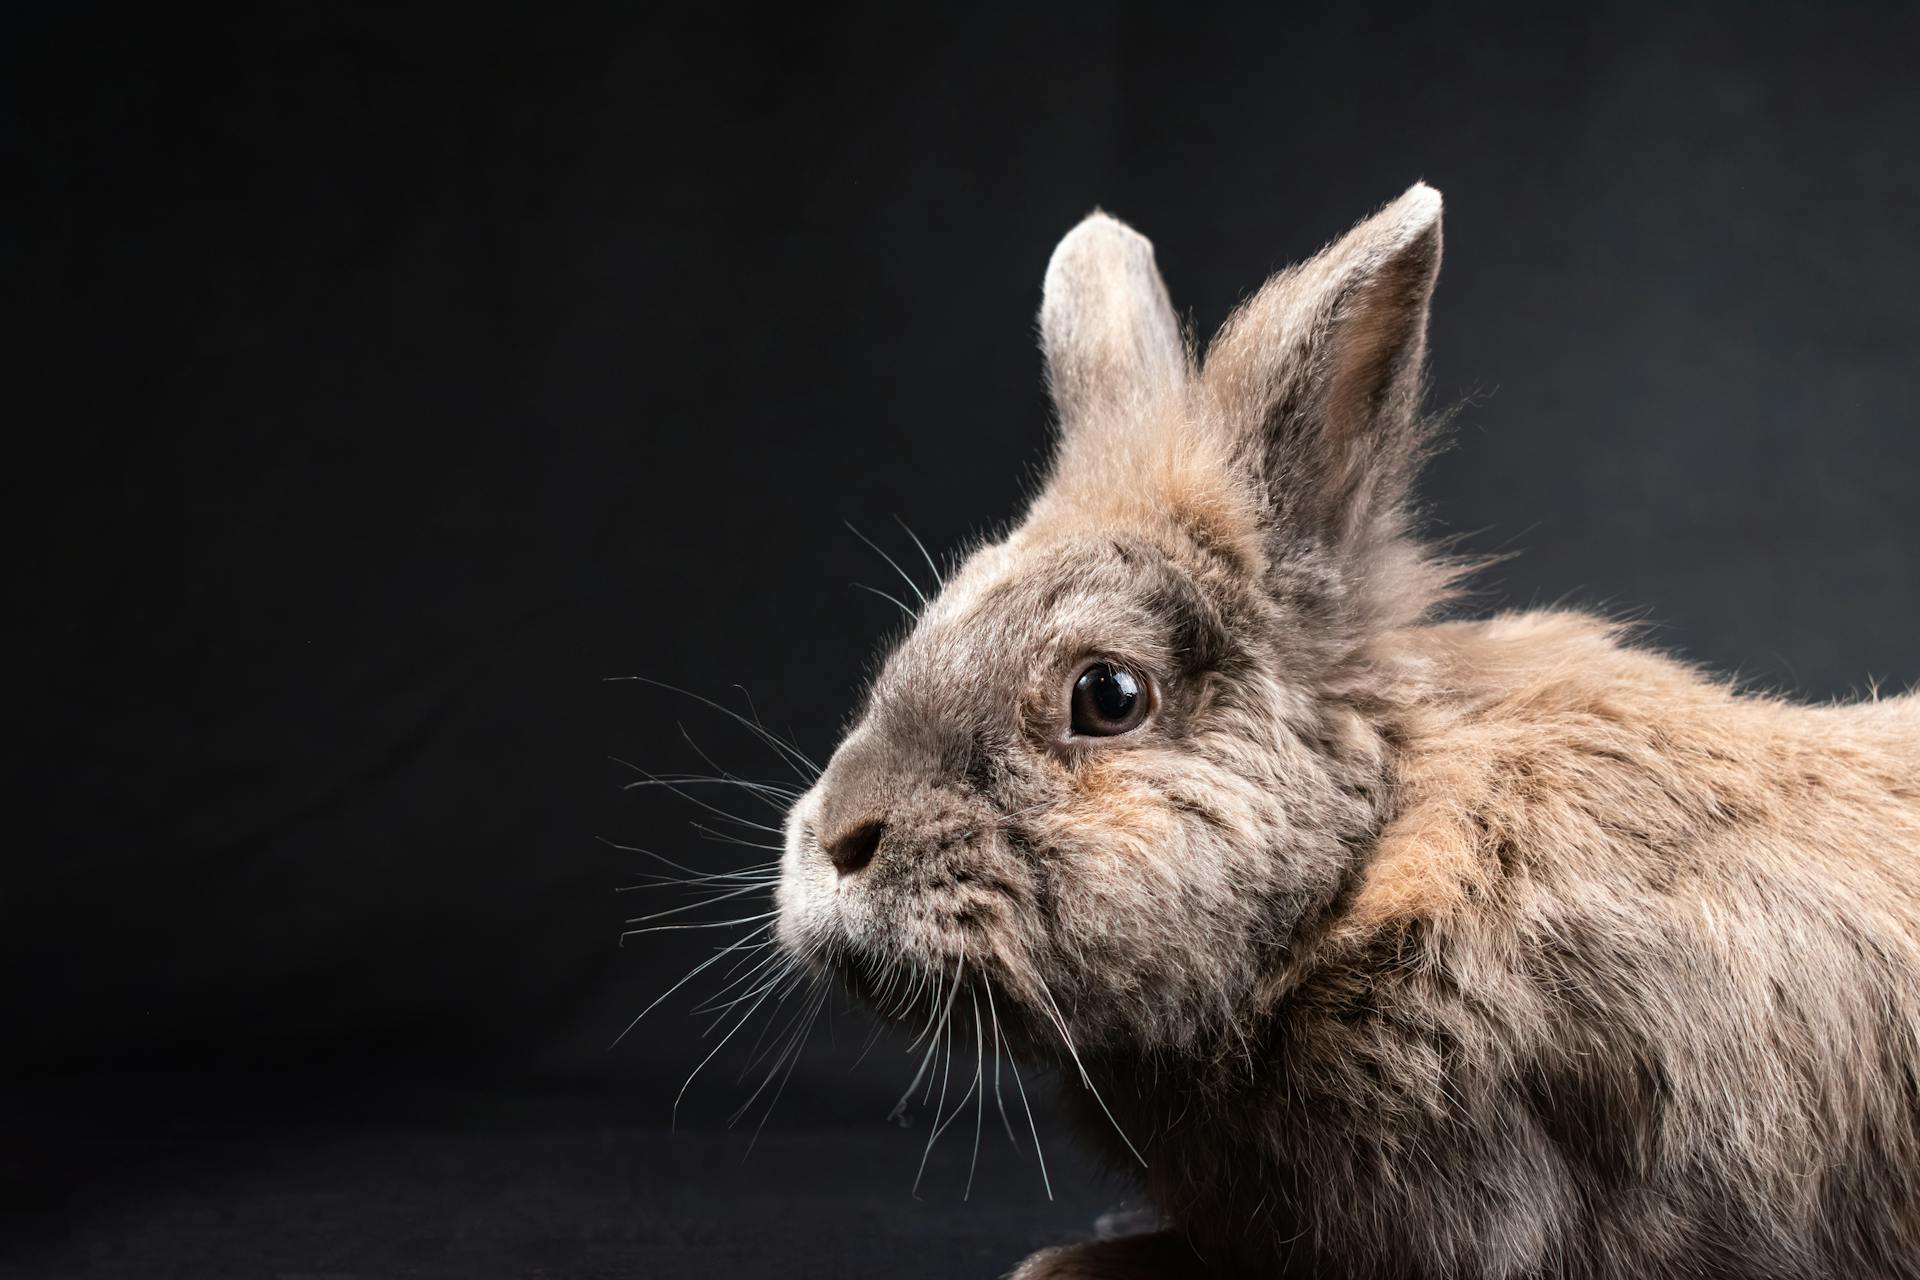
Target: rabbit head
x: 1126, y: 754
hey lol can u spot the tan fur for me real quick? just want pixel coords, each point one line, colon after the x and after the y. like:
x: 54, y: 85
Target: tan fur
x: 1384, y: 946
x: 1514, y: 737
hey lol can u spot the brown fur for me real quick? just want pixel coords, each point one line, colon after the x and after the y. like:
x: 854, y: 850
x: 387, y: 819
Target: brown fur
x: 1394, y: 947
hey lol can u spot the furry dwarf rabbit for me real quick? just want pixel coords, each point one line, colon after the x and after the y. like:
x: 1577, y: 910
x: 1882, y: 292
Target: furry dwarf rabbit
x: 1374, y: 945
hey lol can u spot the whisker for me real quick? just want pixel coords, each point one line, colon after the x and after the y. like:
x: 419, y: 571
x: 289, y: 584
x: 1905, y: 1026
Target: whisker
x: 706, y: 779
x: 927, y: 556
x: 677, y: 866
x: 704, y: 924
x: 693, y: 906
x: 722, y: 1043
x: 998, y: 1100
x: 946, y: 1024
x: 799, y: 1047
x: 727, y: 837
x: 765, y: 789
x: 979, y: 1087
x: 695, y: 972
x: 755, y: 1055
x: 652, y: 780
x: 944, y: 1036
x: 721, y: 777
x: 762, y: 983
x: 778, y: 1048
x: 890, y: 599
x: 904, y: 575
x: 756, y: 972
x: 939, y: 981
x: 901, y: 987
x: 1014, y: 1066
x: 754, y: 711
x: 866, y: 1047
x: 793, y: 756
x: 762, y: 879
x: 958, y: 1110
x: 1060, y: 1024
x: 900, y: 1107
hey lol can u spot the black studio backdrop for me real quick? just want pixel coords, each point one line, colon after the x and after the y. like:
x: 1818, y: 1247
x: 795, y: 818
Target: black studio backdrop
x: 381, y: 381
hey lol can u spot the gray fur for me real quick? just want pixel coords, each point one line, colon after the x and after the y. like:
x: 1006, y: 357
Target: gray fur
x: 1393, y: 947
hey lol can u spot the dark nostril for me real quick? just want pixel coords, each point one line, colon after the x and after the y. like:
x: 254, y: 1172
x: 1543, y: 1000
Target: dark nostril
x: 854, y: 848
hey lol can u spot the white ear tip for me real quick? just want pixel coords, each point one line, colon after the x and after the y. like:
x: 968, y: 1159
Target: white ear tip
x: 1420, y: 205
x: 1099, y: 236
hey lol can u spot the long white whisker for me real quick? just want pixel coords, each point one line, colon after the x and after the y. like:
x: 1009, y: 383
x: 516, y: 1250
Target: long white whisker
x: 1060, y: 1024
x: 695, y: 906
x: 677, y: 866
x: 900, y: 1107
x: 704, y: 924
x: 748, y: 979
x: 881, y: 991
x: 902, y: 980
x: 720, y: 779
x: 959, y: 1108
x: 695, y: 972
x: 754, y: 711
x: 944, y: 1038
x: 799, y: 1047
x: 755, y: 1055
x: 924, y: 553
x: 761, y: 986
x: 793, y: 756
x: 946, y: 1026
x: 654, y: 780
x: 1032, y: 1128
x: 764, y: 879
x: 999, y: 1101
x: 718, y: 1046
x: 766, y: 790
x: 726, y: 837
x: 933, y: 1011
x: 904, y: 575
x: 759, y: 790
x: 979, y: 1087
x: 866, y: 1047
x: 890, y: 599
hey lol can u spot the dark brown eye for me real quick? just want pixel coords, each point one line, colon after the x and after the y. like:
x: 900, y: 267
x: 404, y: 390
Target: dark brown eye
x: 1108, y: 699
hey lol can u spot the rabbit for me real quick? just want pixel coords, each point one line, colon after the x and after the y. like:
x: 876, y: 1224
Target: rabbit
x: 1375, y: 943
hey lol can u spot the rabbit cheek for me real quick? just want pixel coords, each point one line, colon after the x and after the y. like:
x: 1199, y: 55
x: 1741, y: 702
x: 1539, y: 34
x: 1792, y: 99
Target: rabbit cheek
x: 1123, y: 855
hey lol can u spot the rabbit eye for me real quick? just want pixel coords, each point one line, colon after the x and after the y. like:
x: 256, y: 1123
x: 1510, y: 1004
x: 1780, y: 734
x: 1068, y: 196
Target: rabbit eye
x: 1108, y: 700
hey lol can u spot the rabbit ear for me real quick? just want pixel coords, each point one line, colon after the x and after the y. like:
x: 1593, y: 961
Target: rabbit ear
x: 1111, y: 341
x: 1318, y: 377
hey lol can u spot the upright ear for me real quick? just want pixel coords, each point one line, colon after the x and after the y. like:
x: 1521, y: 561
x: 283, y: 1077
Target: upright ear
x: 1112, y: 344
x: 1317, y: 379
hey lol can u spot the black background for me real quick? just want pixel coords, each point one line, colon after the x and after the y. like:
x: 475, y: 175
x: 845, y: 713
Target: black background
x: 382, y: 381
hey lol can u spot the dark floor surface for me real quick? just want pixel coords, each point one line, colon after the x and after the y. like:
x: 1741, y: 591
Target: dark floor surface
x: 545, y: 1189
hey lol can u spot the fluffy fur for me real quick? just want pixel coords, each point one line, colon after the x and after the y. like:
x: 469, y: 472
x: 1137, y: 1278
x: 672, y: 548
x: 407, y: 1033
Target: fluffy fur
x: 1393, y: 947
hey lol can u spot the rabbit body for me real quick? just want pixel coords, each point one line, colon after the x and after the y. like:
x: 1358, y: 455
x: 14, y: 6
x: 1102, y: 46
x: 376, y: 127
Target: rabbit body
x: 1625, y: 987
x: 1373, y: 945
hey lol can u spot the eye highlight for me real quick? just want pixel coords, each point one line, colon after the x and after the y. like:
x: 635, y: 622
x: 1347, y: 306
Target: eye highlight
x: 1107, y: 700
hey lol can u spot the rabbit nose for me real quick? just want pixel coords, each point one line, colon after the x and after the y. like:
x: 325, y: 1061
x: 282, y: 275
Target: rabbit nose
x: 854, y: 848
